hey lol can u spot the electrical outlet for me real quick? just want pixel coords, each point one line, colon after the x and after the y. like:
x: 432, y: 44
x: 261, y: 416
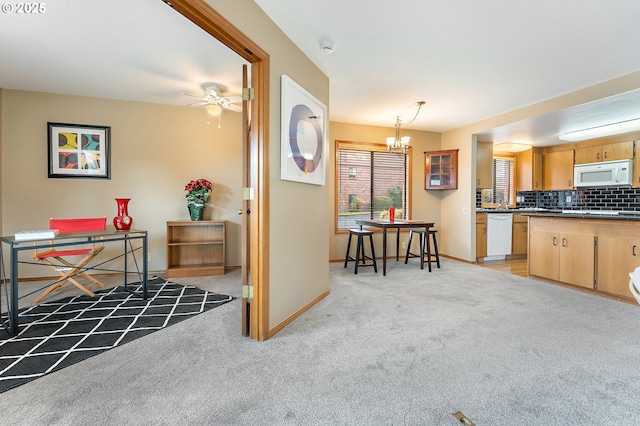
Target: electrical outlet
x: 148, y: 257
x: 404, y: 245
x: 568, y: 198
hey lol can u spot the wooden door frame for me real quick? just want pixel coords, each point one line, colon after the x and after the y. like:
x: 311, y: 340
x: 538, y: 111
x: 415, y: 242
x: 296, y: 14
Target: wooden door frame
x: 204, y: 16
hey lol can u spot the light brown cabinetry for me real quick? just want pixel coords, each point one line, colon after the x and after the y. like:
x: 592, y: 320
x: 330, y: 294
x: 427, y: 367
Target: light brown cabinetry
x: 484, y: 165
x: 562, y: 250
x: 606, y: 152
x: 441, y: 169
x: 481, y: 235
x: 195, y: 248
x: 529, y: 170
x: 618, y: 254
x: 519, y: 235
x: 636, y: 166
x: 558, y: 170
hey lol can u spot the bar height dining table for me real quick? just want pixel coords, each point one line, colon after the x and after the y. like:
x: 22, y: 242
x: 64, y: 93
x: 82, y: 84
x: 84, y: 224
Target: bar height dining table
x: 397, y: 225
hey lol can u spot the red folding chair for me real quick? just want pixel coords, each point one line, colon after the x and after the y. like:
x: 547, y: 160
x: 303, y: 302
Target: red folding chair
x: 56, y: 259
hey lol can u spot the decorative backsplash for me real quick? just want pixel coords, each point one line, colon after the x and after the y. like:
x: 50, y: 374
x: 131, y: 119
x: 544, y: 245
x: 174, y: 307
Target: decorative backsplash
x: 606, y: 198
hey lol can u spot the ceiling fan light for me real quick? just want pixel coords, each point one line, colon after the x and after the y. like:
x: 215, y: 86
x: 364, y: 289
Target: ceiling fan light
x: 213, y: 110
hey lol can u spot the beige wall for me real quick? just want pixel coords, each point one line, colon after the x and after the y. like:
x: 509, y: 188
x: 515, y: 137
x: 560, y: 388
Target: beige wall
x: 155, y: 151
x: 1, y: 209
x: 458, y: 211
x: 425, y: 204
x: 299, y: 219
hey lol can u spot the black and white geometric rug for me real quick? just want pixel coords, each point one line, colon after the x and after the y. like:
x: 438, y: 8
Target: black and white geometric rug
x: 54, y: 335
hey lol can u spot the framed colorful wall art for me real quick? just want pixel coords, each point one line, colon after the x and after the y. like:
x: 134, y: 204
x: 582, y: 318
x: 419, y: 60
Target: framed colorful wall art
x: 79, y: 151
x: 303, y: 129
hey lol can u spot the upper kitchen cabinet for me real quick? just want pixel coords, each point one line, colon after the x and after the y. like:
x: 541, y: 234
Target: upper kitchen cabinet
x: 529, y: 170
x: 557, y: 170
x: 441, y: 169
x: 636, y: 167
x: 606, y: 152
x: 484, y: 159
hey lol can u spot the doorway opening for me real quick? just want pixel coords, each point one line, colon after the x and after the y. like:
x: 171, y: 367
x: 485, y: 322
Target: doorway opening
x: 255, y: 264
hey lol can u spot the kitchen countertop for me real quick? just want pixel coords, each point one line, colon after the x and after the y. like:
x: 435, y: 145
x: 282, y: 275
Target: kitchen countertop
x: 579, y: 214
x: 530, y: 209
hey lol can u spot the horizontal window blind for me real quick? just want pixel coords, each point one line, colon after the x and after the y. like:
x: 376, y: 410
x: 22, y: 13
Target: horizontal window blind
x: 370, y: 181
x: 503, y: 180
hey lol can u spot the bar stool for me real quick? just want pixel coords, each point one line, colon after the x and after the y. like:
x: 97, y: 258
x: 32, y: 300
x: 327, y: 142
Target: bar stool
x: 421, y: 232
x: 360, y: 259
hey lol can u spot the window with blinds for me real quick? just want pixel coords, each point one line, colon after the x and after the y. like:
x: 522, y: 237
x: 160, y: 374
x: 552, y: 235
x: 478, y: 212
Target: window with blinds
x: 370, y: 181
x: 504, y: 183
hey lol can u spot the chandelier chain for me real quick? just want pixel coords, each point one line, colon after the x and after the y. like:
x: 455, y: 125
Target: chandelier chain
x: 398, y: 144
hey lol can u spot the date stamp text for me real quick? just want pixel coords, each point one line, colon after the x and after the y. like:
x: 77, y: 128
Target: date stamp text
x: 24, y: 8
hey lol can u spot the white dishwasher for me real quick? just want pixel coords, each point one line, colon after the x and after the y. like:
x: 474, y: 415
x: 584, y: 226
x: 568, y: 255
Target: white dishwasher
x: 499, y: 226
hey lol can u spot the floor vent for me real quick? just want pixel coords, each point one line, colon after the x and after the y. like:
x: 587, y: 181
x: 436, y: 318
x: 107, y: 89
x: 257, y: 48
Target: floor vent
x: 464, y: 420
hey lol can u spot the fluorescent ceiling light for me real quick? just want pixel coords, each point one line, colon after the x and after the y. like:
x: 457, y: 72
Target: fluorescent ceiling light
x: 602, y: 131
x: 511, y: 147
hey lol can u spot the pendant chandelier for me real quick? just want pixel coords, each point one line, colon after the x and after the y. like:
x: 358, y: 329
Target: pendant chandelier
x: 397, y: 144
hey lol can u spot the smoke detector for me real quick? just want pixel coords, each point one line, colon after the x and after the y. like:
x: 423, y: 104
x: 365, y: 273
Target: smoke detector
x: 327, y: 46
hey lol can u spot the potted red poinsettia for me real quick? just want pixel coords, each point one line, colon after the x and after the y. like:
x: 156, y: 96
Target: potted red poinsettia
x: 198, y: 192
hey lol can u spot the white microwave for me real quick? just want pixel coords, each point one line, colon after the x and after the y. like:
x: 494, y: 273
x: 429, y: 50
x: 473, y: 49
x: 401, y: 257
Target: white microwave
x: 606, y: 173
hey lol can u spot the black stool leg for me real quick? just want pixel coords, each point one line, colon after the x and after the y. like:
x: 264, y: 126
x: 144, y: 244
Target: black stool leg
x: 422, y: 238
x: 346, y: 257
x: 359, y: 249
x: 435, y: 249
x: 426, y: 237
x: 406, y: 256
x: 373, y: 254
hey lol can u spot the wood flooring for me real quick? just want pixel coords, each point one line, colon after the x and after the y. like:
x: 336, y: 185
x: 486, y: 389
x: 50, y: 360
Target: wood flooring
x: 514, y: 266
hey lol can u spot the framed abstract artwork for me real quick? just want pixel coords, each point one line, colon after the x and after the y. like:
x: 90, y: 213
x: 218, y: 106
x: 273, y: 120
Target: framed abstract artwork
x: 79, y: 151
x: 303, y: 129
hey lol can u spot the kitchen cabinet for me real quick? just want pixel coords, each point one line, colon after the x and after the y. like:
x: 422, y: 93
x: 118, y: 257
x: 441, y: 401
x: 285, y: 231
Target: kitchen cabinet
x: 636, y: 165
x: 558, y: 170
x: 519, y: 235
x: 195, y: 248
x: 562, y: 250
x: 618, y: 254
x: 481, y: 235
x: 606, y: 152
x: 484, y: 165
x: 441, y: 169
x: 529, y: 170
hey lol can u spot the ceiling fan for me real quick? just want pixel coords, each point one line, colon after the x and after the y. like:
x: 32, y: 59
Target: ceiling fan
x: 213, y: 100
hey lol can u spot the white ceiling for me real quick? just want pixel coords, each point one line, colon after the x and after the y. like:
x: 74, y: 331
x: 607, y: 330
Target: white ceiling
x: 468, y: 60
x: 139, y: 50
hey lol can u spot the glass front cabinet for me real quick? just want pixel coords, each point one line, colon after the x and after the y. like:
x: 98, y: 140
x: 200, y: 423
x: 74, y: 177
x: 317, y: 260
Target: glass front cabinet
x: 441, y: 169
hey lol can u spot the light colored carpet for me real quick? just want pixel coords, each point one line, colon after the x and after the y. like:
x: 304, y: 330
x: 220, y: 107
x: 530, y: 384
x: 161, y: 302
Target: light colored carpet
x: 410, y: 348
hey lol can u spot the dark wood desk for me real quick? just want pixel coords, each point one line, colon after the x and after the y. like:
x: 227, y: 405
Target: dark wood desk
x: 9, y: 319
x: 397, y: 224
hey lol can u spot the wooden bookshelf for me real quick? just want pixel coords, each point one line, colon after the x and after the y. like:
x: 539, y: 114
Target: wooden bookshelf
x: 195, y: 248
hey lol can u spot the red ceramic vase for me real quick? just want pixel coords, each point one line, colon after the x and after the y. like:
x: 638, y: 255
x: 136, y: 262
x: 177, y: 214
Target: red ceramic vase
x: 123, y: 221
